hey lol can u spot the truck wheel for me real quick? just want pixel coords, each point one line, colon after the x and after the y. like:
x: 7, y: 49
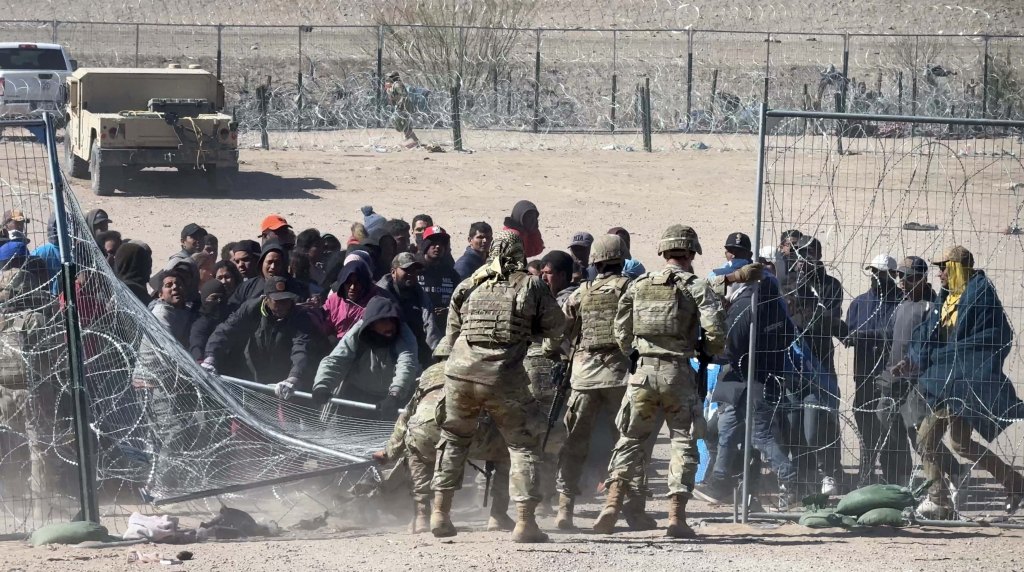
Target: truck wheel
x: 104, y: 179
x: 79, y: 167
x: 222, y: 179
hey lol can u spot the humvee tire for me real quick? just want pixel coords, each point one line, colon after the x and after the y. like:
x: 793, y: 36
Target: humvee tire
x: 104, y: 179
x: 222, y: 179
x: 79, y: 168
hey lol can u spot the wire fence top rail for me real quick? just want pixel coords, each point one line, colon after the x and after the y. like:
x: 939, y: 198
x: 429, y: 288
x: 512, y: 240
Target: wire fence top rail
x: 797, y: 114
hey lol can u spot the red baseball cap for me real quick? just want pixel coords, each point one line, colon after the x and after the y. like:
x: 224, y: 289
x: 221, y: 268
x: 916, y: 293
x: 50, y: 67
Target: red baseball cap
x: 437, y: 231
x: 273, y: 222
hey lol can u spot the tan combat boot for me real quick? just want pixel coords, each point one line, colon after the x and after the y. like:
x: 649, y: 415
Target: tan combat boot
x: 677, y: 527
x: 605, y: 523
x: 499, y: 519
x: 635, y: 511
x: 421, y: 518
x: 566, y: 504
x: 440, y: 520
x: 526, y: 526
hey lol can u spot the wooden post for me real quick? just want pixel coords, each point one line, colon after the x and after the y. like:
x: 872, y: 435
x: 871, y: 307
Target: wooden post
x: 536, y: 86
x: 456, y: 115
x: 714, y: 90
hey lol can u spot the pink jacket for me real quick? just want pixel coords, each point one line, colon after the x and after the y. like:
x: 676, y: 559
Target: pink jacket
x: 342, y: 313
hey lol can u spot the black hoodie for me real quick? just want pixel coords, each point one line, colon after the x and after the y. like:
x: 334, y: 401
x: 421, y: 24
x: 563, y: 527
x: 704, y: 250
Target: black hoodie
x: 133, y: 265
x: 253, y: 288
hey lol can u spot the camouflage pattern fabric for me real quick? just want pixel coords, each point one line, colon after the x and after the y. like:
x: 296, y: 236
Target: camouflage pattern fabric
x: 538, y: 369
x: 516, y: 415
x: 581, y: 412
x: 668, y: 386
x: 398, y: 95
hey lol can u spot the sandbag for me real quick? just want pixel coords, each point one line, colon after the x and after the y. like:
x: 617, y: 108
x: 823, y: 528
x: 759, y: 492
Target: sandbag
x: 871, y: 497
x: 826, y: 519
x: 69, y: 533
x: 882, y: 517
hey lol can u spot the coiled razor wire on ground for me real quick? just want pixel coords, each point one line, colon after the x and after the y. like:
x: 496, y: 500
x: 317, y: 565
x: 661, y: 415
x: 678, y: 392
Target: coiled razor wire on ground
x: 162, y: 426
x: 866, y: 187
x: 706, y: 85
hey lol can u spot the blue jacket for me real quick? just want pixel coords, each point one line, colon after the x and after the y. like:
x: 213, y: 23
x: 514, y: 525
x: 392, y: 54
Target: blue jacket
x: 870, y: 319
x: 468, y: 263
x: 963, y: 371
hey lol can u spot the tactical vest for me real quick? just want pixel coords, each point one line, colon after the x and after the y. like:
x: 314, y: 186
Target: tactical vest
x: 598, y: 306
x: 491, y: 314
x: 663, y: 306
x: 13, y: 363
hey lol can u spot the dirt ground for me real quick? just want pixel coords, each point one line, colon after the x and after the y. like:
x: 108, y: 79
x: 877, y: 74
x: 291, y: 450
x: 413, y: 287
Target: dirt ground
x: 592, y: 187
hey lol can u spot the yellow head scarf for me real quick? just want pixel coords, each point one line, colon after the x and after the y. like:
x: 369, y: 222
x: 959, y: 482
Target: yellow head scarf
x: 957, y: 276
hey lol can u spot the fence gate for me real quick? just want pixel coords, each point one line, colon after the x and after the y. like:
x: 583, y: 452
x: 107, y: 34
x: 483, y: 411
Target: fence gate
x: 871, y: 191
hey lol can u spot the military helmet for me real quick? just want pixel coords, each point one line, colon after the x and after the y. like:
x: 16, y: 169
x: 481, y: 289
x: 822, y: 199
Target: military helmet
x: 679, y: 237
x: 609, y: 248
x: 393, y: 76
x: 443, y: 350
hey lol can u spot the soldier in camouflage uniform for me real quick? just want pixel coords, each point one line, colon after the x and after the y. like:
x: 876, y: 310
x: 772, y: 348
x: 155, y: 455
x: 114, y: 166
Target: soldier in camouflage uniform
x: 398, y: 96
x: 30, y: 349
x: 598, y: 379
x: 660, y: 318
x: 415, y: 439
x: 493, y: 315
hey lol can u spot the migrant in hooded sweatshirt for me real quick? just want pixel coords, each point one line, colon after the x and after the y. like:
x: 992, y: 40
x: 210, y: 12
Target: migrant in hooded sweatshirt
x: 346, y: 302
x: 367, y: 365
x: 253, y: 288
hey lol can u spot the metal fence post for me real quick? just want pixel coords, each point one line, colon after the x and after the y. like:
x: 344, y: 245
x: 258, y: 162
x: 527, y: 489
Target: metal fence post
x: 767, y: 66
x: 137, y: 26
x: 298, y: 99
x: 536, y: 86
x: 378, y: 80
x: 53, y: 31
x: 846, y: 69
x: 456, y: 114
x: 76, y: 366
x: 615, y: 75
x: 689, y: 78
x: 220, y: 39
x: 984, y: 84
x: 263, y: 97
x: 748, y: 432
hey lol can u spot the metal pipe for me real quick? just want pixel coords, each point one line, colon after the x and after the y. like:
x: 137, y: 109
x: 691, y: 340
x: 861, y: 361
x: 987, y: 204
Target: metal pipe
x: 269, y: 389
x: 748, y: 428
x: 267, y: 483
x: 76, y: 365
x: 786, y: 113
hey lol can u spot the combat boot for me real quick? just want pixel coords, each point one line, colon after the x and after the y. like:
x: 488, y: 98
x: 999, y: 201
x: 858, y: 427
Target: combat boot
x: 440, y: 520
x: 526, y: 529
x: 566, y: 505
x: 635, y: 511
x: 499, y: 519
x: 677, y: 527
x: 605, y: 523
x: 421, y: 517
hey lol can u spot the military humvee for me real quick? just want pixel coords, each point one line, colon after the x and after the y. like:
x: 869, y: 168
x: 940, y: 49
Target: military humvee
x: 123, y: 120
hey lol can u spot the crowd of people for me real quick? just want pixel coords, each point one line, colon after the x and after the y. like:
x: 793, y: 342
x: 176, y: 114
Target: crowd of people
x: 467, y: 354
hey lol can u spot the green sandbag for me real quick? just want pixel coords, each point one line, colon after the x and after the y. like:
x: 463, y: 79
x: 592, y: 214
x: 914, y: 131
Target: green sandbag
x: 69, y: 533
x: 882, y: 517
x: 826, y: 519
x: 871, y: 497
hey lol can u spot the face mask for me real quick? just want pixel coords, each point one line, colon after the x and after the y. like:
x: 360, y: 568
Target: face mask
x: 376, y: 340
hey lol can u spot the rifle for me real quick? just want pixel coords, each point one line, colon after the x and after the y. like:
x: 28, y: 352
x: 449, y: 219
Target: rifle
x: 703, y: 359
x: 560, y: 374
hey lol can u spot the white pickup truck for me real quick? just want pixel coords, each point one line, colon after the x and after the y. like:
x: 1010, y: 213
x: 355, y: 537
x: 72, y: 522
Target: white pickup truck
x: 32, y: 78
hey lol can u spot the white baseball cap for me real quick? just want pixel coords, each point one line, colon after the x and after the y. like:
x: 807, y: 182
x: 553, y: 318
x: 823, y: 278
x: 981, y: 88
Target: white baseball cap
x: 882, y: 262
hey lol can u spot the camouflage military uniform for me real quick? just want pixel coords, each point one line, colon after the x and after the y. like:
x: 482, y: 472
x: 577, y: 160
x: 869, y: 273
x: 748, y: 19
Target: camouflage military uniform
x: 661, y: 316
x: 30, y: 350
x: 398, y: 95
x: 417, y: 434
x: 538, y: 369
x: 493, y: 315
x: 664, y: 379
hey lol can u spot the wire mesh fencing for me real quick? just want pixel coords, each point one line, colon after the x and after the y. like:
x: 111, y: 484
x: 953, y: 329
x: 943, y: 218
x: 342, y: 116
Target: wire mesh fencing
x: 159, y: 428
x: 556, y: 87
x: 896, y: 357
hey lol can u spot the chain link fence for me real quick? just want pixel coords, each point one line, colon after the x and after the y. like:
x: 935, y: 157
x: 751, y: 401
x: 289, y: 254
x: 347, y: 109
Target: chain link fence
x: 584, y: 82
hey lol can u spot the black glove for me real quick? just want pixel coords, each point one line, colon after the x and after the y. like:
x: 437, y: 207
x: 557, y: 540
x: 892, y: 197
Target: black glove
x: 321, y: 395
x: 388, y: 407
x: 634, y: 358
